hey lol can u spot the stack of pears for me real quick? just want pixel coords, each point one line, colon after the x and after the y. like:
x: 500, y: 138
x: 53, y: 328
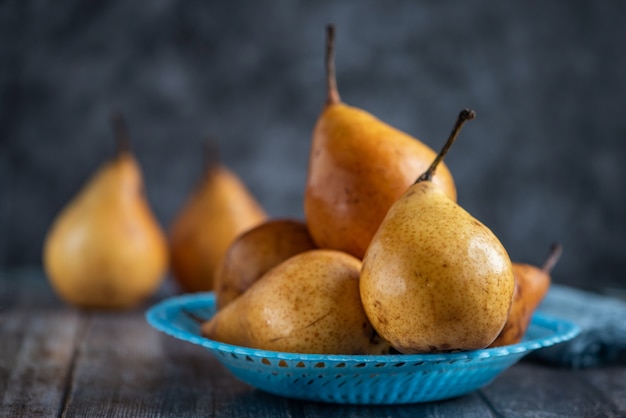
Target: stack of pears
x: 387, y: 261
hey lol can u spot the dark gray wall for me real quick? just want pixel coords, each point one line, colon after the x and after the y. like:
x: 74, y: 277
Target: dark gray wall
x: 543, y: 161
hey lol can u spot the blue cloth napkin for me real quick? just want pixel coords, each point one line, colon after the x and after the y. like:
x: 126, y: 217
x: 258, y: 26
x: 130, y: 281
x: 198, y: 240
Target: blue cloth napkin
x: 602, y: 320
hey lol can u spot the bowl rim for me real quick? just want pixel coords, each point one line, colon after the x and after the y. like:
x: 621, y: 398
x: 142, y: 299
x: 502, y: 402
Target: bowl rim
x: 561, y: 330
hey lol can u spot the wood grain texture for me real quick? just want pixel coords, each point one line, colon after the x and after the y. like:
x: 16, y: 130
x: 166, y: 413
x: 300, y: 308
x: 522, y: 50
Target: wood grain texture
x: 61, y: 362
x: 611, y: 382
x: 534, y: 390
x: 36, y: 356
x: 469, y: 406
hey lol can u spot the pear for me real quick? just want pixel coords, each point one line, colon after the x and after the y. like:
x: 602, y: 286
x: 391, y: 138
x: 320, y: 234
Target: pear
x: 105, y: 249
x: 309, y: 303
x: 434, y: 278
x: 255, y: 252
x: 531, y: 285
x: 219, y: 209
x: 358, y: 167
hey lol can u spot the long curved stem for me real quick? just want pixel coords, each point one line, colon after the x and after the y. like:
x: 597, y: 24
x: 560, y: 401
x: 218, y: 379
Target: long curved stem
x: 553, y: 257
x: 464, y: 116
x: 332, y: 94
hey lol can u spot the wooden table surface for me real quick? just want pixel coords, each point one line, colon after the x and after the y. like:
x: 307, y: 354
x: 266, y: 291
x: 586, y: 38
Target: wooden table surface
x: 59, y: 361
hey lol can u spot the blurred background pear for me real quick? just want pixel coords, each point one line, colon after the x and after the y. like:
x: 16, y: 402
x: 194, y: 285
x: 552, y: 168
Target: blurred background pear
x: 105, y: 249
x: 219, y: 209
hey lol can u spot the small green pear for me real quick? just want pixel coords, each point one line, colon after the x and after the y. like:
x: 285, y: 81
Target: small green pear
x: 434, y: 278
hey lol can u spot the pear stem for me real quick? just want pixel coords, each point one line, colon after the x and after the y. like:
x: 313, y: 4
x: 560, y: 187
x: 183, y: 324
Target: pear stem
x: 465, y: 115
x: 331, y: 78
x: 120, y: 130
x: 553, y: 257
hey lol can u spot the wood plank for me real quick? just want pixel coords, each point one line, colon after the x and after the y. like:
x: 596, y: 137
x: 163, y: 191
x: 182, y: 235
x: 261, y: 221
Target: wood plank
x: 57, y: 361
x: 13, y: 330
x: 469, y: 406
x: 36, y: 356
x: 533, y: 390
x: 37, y: 339
x: 611, y: 381
x: 126, y: 368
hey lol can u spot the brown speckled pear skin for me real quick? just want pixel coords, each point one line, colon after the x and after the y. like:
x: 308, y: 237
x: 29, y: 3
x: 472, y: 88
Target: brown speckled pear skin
x: 220, y: 208
x: 310, y: 303
x: 255, y: 252
x: 358, y: 167
x: 434, y: 278
x: 531, y: 285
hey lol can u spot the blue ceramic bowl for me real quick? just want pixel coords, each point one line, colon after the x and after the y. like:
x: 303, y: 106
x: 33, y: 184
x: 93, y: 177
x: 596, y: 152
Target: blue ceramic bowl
x: 355, y: 379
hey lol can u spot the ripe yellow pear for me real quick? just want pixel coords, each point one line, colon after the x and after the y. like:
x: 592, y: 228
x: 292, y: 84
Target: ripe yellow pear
x: 310, y: 303
x: 434, y: 278
x: 358, y: 167
x: 219, y: 209
x: 106, y: 249
x: 255, y: 252
x: 531, y: 285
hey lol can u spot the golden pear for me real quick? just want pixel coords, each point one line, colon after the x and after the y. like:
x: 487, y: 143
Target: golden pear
x: 531, y: 285
x: 106, y: 249
x: 310, y: 303
x: 255, y: 252
x: 434, y: 278
x: 358, y: 167
x: 219, y: 209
